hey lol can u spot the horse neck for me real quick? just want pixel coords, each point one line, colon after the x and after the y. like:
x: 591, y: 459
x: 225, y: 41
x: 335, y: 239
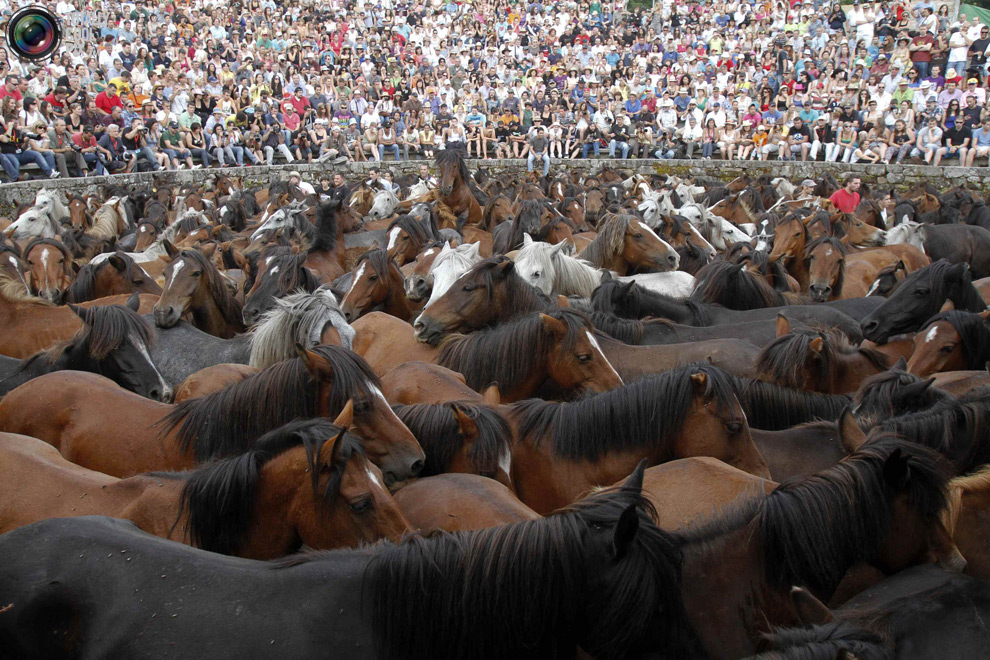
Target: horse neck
x: 675, y: 310
x: 152, y: 503
x: 574, y: 277
x: 849, y: 370
x: 209, y: 316
x: 395, y: 302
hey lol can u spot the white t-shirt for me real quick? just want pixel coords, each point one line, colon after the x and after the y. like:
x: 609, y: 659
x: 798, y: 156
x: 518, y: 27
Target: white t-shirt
x: 958, y: 48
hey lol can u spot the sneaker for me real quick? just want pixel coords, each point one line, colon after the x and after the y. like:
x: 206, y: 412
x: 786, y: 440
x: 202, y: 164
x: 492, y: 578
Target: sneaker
x: 54, y: 175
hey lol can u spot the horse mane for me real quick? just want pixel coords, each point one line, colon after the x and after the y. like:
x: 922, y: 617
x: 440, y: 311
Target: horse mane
x: 783, y: 360
x: 220, y: 496
x: 229, y: 306
x: 734, y: 287
x: 464, y: 582
x: 773, y: 407
x: 507, y: 353
x: 15, y: 290
x: 813, y: 528
x: 638, y: 302
x: 105, y: 221
x: 227, y: 422
x: 974, y: 335
x: 81, y: 288
x: 50, y: 242
x: 648, y: 412
x: 292, y: 274
x: 439, y: 434
x: 416, y: 230
x: 325, y: 239
x: 891, y: 393
x: 297, y: 318
x: 379, y: 261
x: 628, y: 331
x: 454, y: 157
x: 956, y: 428
x: 830, y: 641
x: 524, y: 298
x: 608, y: 242
x: 936, y: 273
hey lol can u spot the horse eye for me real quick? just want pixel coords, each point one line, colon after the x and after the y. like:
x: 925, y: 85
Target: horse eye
x: 536, y: 274
x: 468, y: 288
x: 373, y: 278
x: 362, y: 405
x: 197, y: 273
x: 921, y: 293
x: 638, y: 236
x: 361, y: 505
x: 734, y: 428
x: 947, y: 349
x: 584, y: 358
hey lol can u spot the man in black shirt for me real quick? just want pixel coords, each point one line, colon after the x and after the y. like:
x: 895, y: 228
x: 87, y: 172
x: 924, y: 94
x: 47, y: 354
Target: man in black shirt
x: 799, y: 139
x: 502, y: 140
x: 955, y: 143
x: 538, y: 151
x: 136, y: 143
x: 619, y: 137
x: 972, y: 112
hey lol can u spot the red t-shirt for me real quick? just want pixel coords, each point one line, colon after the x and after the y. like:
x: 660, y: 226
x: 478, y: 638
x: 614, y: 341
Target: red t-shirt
x: 844, y: 201
x: 105, y: 103
x: 16, y: 93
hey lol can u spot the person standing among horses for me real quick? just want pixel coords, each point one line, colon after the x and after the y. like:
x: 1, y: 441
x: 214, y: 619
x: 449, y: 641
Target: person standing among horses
x: 846, y: 199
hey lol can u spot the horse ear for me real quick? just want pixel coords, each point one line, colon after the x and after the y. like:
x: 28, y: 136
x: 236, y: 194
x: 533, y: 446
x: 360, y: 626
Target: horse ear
x: 625, y: 531
x: 170, y: 249
x: 208, y: 249
x: 699, y: 380
x: 958, y: 272
x: 606, y: 276
x: 628, y: 288
x: 896, y: 470
x: 134, y: 302
x: 330, y: 448
x: 810, y: 611
x: 850, y: 434
x: 556, y: 327
x: 900, y: 266
x: 491, y: 396
x: 314, y: 363
x: 504, y: 268
x: 562, y: 301
x: 118, y: 263
x: 783, y: 325
x: 346, y: 416
x: 558, y: 247
x: 817, y: 344
x: 82, y: 312
x: 901, y: 364
x: 469, y: 430
x: 527, y: 239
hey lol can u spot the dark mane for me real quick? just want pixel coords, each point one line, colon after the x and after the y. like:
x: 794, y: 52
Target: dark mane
x: 957, y: 429
x: 891, y: 393
x: 220, y: 496
x: 463, y: 581
x: 939, y: 286
x: 228, y: 421
x: 630, y: 300
x: 325, y: 239
x: 524, y: 297
x: 830, y: 641
x: 734, y: 287
x: 81, y: 288
x: 439, y: 434
x: 417, y: 230
x: 783, y: 360
x: 506, y: 354
x: 648, y: 412
x: 379, y: 262
x: 292, y: 274
x: 974, y: 335
x: 228, y: 305
x: 628, y: 331
x: 773, y: 407
x: 453, y: 157
x: 814, y: 528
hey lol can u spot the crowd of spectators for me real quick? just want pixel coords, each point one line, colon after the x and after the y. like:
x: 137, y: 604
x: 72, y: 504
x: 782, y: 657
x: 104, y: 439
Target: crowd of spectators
x: 191, y: 83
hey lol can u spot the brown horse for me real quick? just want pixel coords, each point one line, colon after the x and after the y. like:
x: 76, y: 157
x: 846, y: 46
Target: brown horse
x: 306, y: 483
x: 951, y: 341
x: 29, y: 324
x: 818, y: 361
x: 212, y: 379
x: 496, y: 211
x: 325, y: 381
x: 421, y: 382
x: 407, y: 237
x: 50, y: 268
x: 386, y: 342
x: 790, y: 237
x: 460, y: 502
x: 563, y: 449
x: 625, y: 243
x: 738, y: 357
x: 966, y: 520
x: 116, y: 275
x: 193, y: 285
x: 455, y: 190
x: 419, y: 278
x: 79, y: 215
x: 879, y: 507
x: 377, y: 285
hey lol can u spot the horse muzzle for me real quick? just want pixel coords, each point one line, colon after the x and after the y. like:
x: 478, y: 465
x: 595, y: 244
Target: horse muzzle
x: 446, y: 190
x: 820, y: 293
x: 427, y: 332
x: 166, y: 317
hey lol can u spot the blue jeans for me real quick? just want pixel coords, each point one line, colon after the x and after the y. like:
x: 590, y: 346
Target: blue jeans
x: 202, y: 154
x: 147, y: 154
x: 664, y: 154
x: 623, y: 145
x: 922, y: 68
x: 587, y: 146
x: 959, y: 66
x: 176, y: 154
x: 46, y: 162
x: 533, y: 157
x: 91, y: 160
x: 10, y: 166
x: 393, y: 147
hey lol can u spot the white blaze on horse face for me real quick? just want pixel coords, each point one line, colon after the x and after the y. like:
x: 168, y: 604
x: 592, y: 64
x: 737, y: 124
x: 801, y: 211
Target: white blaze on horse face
x: 829, y: 253
x: 930, y: 337
x: 393, y: 236
x: 175, y: 271
x: 44, y: 263
x: 594, y: 345
x: 374, y: 478
x: 505, y: 461
x: 357, y: 276
x: 143, y: 350
x: 873, y: 287
x: 274, y: 270
x: 428, y: 253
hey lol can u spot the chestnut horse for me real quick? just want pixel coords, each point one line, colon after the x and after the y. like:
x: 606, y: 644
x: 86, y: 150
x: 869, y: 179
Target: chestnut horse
x: 377, y: 285
x: 212, y: 379
x: 564, y: 449
x: 305, y: 483
x: 421, y: 382
x: 624, y: 244
x: 455, y: 189
x: 951, y: 341
x: 50, y: 268
x: 193, y: 285
x: 115, y: 275
x: 457, y: 502
x: 146, y: 436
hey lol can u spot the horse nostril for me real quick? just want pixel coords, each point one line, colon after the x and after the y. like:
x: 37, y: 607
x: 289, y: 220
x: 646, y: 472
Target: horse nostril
x: 155, y: 394
x: 348, y: 316
x: 672, y: 258
x: 418, y: 326
x: 416, y: 467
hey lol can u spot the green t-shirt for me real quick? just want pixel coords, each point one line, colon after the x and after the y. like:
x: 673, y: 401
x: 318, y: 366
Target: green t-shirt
x: 175, y: 138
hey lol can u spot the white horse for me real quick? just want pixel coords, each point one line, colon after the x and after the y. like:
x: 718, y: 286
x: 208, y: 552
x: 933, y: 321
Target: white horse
x: 652, y: 215
x: 157, y: 249
x: 52, y: 202
x: 297, y: 320
x: 674, y: 283
x: 289, y: 215
x: 909, y: 233
x: 552, y: 270
x: 715, y: 229
x: 384, y: 205
x: 450, y: 264
x: 417, y: 190
x: 34, y: 222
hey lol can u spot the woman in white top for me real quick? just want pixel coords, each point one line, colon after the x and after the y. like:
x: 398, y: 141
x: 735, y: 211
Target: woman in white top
x: 30, y: 115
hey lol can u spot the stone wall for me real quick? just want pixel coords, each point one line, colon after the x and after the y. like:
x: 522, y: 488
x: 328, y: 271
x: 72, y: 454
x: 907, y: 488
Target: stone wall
x: 898, y: 176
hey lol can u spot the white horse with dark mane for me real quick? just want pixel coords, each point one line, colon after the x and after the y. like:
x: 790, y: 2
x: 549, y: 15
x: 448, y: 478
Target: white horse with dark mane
x: 450, y: 264
x: 908, y: 232
x: 715, y: 229
x: 297, y: 320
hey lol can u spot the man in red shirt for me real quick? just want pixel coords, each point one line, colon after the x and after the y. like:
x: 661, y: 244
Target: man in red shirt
x: 107, y: 99
x: 9, y: 88
x: 847, y: 199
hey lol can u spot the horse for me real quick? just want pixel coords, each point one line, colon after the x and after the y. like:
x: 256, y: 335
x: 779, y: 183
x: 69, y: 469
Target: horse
x: 820, y: 361
x: 212, y: 379
x: 277, y: 276
x: 307, y: 483
x: 881, y: 506
x: 423, y: 382
x: 419, y: 281
x: 919, y: 297
x: 325, y: 255
x: 552, y: 271
x: 407, y: 238
x: 887, y: 279
x: 447, y: 267
x: 457, y: 502
x: 383, y: 204
x: 625, y: 243
x: 113, y: 341
x: 461, y: 437
x: 116, y: 275
x: 455, y: 185
x: 735, y: 287
x: 377, y: 285
x: 951, y: 341
x: 563, y: 449
x: 299, y: 319
x: 35, y: 222
x: 50, y: 268
x: 522, y: 353
x: 826, y: 265
x: 325, y: 381
x: 543, y: 606
x: 194, y: 286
